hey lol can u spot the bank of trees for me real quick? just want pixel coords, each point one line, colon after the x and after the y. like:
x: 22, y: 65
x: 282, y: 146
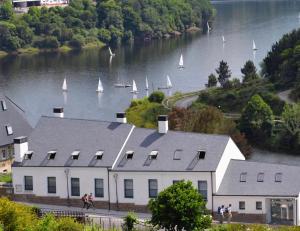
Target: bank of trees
x: 109, y: 21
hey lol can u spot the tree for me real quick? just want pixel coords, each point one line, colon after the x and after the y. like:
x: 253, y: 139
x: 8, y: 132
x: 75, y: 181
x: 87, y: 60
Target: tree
x: 212, y: 81
x: 249, y: 71
x: 6, y: 10
x: 179, y: 207
x: 157, y: 97
x: 291, y: 118
x: 224, y: 73
x: 257, y: 119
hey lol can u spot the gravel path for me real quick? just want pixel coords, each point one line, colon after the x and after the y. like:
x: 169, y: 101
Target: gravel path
x: 186, y: 102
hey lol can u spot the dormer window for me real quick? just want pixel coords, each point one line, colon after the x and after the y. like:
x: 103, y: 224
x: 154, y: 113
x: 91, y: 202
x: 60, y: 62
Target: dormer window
x: 153, y: 155
x: 129, y: 154
x: 51, y: 155
x: 243, y: 177
x: 278, y: 177
x: 28, y: 155
x: 201, y: 154
x: 260, y: 177
x: 99, y: 155
x: 75, y: 155
x: 9, y: 130
x: 3, y: 105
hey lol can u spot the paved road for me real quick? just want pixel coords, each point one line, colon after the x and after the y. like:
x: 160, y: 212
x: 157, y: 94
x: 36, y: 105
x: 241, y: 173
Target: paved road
x: 186, y: 102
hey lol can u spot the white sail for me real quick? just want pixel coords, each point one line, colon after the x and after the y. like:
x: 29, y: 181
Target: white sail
x: 64, y: 86
x: 181, y: 61
x: 208, y: 27
x: 147, y: 84
x: 223, y: 39
x: 254, y: 46
x: 110, y: 52
x: 100, y: 86
x: 169, y: 84
x: 134, y: 88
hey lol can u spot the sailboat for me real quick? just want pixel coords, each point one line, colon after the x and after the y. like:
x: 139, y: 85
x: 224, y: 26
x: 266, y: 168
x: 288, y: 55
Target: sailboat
x: 134, y: 88
x: 181, y: 62
x: 64, y: 86
x: 110, y: 52
x: 100, y: 87
x: 208, y: 27
x: 169, y: 84
x: 223, y: 39
x: 254, y: 46
x: 147, y: 84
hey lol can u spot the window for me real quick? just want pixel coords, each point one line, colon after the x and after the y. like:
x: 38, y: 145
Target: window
x: 260, y: 177
x: 3, y: 105
x: 28, y: 183
x: 258, y: 205
x: 278, y: 177
x: 129, y: 154
x: 201, y: 154
x: 99, y: 155
x: 243, y: 177
x: 4, y: 154
x: 51, y: 155
x: 153, y: 155
x: 75, y: 187
x: 128, y: 188
x: 99, y: 188
x: 51, y: 184
x: 9, y: 130
x: 242, y: 205
x: 177, y: 154
x: 202, y: 188
x: 28, y: 155
x: 153, y: 189
x: 75, y: 155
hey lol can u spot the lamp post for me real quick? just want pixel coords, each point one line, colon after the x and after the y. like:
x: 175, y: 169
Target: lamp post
x: 67, y: 171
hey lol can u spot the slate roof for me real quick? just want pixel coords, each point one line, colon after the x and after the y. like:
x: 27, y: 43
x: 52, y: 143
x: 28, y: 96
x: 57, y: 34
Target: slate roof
x: 66, y: 135
x: 143, y: 141
x: 15, y: 117
x: 231, y: 185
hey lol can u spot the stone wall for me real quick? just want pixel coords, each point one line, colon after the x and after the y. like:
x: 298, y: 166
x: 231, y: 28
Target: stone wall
x: 244, y: 217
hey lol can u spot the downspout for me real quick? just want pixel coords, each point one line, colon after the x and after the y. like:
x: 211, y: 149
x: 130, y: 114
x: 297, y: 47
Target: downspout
x: 296, y: 211
x: 108, y: 185
x: 116, y: 182
x: 212, y: 194
x: 67, y: 171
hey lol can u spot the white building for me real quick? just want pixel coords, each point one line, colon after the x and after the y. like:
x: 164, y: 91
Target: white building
x: 124, y: 166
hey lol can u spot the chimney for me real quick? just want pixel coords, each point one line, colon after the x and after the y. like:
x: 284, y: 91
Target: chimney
x: 121, y: 117
x: 20, y: 148
x: 163, y: 124
x: 58, y: 112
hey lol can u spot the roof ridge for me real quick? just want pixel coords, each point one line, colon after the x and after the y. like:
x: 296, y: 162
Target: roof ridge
x: 81, y: 119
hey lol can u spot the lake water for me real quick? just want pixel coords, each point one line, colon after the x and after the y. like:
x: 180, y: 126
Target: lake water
x: 34, y: 82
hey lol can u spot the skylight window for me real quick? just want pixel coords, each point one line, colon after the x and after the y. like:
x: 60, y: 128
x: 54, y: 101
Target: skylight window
x: 260, y: 177
x: 177, y: 154
x: 3, y: 105
x: 99, y: 155
x: 9, y: 130
x: 75, y: 155
x: 153, y: 155
x: 201, y: 154
x: 28, y: 155
x: 129, y: 154
x: 243, y: 177
x: 51, y: 155
x: 278, y: 177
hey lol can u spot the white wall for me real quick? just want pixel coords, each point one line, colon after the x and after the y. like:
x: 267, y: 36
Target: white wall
x: 86, y: 175
x: 250, y: 203
x: 231, y: 152
x: 164, y: 179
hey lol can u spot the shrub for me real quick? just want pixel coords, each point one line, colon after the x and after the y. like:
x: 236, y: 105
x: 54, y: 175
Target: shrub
x: 129, y: 221
x: 77, y: 41
x: 48, y: 42
x: 157, y: 97
x: 69, y: 224
x: 104, y: 35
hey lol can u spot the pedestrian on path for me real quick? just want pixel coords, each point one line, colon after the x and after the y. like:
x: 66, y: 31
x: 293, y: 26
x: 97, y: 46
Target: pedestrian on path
x: 91, y: 201
x: 229, y: 214
x: 85, y: 201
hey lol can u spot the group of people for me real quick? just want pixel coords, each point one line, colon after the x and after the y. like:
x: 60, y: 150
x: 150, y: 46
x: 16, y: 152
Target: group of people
x: 88, y: 201
x: 225, y: 213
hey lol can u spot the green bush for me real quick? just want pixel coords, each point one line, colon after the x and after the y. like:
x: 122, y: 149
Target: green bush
x: 48, y: 42
x: 77, y: 41
x: 156, y: 97
x: 69, y: 224
x: 129, y: 221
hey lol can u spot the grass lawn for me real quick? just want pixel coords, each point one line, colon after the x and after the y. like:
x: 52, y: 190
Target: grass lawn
x: 6, y: 178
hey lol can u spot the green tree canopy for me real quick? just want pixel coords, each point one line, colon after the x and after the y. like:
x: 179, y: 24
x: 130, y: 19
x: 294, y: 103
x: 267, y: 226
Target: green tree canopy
x: 291, y: 118
x: 212, y: 81
x: 157, y: 97
x: 223, y: 73
x: 179, y: 207
x: 6, y: 10
x: 249, y: 71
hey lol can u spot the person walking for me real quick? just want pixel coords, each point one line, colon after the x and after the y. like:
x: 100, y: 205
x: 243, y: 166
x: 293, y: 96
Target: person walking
x: 229, y: 214
x: 85, y: 201
x: 222, y: 210
x: 91, y: 200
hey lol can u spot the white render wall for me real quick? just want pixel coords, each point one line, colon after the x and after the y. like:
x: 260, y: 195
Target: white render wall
x: 164, y: 180
x: 86, y: 175
x: 231, y: 152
